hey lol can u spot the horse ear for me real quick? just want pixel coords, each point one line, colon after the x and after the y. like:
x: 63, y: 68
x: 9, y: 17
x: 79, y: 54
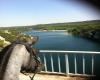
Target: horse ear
x: 33, y: 40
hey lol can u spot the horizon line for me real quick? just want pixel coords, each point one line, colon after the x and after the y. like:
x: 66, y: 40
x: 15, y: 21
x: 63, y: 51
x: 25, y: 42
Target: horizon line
x: 48, y: 23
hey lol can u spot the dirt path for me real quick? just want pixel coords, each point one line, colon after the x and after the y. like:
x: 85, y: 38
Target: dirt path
x: 50, y: 77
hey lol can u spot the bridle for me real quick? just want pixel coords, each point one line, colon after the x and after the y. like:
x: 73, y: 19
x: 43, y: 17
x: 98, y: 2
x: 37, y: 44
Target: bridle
x: 36, y: 58
x: 35, y: 71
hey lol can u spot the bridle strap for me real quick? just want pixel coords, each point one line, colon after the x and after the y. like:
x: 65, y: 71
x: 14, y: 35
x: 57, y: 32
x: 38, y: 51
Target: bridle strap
x: 31, y: 78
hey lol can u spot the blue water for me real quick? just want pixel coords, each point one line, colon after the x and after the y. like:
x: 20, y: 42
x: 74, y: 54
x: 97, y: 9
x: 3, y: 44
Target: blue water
x: 60, y: 40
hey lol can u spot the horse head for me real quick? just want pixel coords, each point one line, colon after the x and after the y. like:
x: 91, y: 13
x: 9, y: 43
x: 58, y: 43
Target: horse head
x: 34, y: 64
x: 19, y: 55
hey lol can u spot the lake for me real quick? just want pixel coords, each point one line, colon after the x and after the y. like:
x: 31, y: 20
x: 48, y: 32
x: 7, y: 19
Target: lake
x: 61, y: 40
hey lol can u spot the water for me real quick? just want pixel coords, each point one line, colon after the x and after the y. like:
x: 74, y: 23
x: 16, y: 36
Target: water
x: 60, y: 40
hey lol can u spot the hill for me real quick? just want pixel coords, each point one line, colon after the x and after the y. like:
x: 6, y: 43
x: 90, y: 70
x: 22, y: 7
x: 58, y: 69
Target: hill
x: 87, y: 29
x: 59, y: 26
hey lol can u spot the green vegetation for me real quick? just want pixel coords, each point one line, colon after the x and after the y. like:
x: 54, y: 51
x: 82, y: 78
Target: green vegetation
x: 1, y: 43
x: 8, y: 36
x: 69, y: 26
x: 11, y: 34
x: 95, y: 24
x: 87, y: 29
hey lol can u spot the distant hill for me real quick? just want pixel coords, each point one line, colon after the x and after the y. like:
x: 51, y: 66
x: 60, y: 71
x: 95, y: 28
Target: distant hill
x: 87, y: 29
x: 65, y: 25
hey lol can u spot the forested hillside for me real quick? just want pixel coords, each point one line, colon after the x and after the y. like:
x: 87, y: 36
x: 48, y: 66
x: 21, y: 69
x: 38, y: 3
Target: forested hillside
x: 87, y: 29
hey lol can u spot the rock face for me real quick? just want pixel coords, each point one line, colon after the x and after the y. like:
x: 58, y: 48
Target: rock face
x: 94, y: 35
x: 90, y: 34
x: 3, y: 42
x: 1, y: 38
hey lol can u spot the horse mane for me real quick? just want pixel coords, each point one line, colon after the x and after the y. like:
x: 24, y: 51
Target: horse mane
x: 6, y: 52
x: 4, y: 57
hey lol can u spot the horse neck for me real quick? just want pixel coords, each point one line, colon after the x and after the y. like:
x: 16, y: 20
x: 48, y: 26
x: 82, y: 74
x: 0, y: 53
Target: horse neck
x: 15, y: 62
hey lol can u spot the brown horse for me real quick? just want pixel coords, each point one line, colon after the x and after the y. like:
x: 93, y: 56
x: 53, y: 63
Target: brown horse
x: 17, y: 56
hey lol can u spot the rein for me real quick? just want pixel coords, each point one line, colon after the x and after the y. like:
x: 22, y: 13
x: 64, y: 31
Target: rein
x: 31, y: 78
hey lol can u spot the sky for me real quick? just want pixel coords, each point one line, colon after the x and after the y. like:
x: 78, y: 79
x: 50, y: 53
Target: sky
x: 32, y: 12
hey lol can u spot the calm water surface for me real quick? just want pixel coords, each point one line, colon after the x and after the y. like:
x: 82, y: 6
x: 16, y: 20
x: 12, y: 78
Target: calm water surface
x: 61, y: 40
